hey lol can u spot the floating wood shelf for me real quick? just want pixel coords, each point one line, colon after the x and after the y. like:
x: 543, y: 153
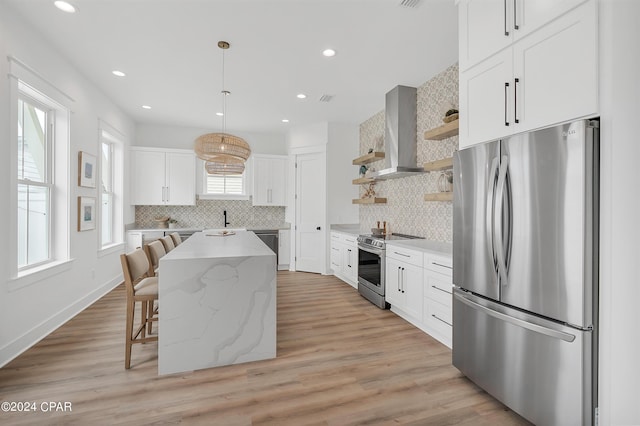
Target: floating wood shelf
x: 369, y: 201
x: 445, y: 131
x: 439, y: 196
x: 368, y: 158
x: 362, y: 180
x: 438, y: 165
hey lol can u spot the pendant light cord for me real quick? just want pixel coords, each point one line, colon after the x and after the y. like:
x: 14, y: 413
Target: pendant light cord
x: 224, y: 97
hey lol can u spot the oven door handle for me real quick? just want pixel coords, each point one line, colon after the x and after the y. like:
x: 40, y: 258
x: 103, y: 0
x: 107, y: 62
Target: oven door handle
x: 371, y: 250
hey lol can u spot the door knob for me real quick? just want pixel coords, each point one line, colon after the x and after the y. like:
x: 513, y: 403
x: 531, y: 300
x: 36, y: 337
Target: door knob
x: 317, y: 228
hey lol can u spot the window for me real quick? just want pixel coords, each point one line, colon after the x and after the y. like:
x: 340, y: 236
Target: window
x: 34, y: 181
x: 216, y: 184
x: 229, y: 187
x: 41, y: 138
x: 106, y: 213
x: 111, y: 186
x: 40, y: 177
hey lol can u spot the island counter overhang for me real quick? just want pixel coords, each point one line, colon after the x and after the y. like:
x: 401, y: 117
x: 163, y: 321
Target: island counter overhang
x: 217, y: 302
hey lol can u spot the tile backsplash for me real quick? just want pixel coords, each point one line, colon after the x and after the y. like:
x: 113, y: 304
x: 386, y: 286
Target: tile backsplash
x: 405, y: 210
x: 209, y: 214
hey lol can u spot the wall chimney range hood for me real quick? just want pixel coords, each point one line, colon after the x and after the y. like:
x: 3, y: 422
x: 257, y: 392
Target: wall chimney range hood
x: 400, y: 135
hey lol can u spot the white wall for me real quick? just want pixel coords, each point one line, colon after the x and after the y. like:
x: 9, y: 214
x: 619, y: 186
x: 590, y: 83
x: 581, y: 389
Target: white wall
x: 342, y: 148
x: 184, y: 137
x: 29, y: 312
x: 619, y: 375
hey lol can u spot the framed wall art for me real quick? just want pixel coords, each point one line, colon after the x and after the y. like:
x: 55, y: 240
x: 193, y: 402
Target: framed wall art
x: 86, y: 213
x: 86, y: 170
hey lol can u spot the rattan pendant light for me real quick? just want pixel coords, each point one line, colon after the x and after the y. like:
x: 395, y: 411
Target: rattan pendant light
x: 224, y: 169
x: 222, y: 148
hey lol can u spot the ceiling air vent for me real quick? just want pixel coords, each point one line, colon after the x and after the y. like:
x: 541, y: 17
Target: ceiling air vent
x: 410, y: 3
x: 326, y: 98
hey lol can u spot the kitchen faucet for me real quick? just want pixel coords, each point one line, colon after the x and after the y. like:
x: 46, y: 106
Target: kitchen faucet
x: 225, y: 219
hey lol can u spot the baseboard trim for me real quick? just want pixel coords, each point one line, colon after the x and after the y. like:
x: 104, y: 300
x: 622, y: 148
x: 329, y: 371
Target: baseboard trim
x: 19, y: 345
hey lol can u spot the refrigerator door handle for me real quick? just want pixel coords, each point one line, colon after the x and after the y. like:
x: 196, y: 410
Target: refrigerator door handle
x: 489, y: 213
x: 497, y: 221
x: 516, y: 321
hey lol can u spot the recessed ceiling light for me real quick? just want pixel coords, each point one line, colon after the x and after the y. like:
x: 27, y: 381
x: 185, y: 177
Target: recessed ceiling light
x: 329, y: 52
x: 219, y: 114
x: 118, y: 73
x: 146, y: 107
x: 284, y: 120
x: 64, y: 6
x: 301, y: 96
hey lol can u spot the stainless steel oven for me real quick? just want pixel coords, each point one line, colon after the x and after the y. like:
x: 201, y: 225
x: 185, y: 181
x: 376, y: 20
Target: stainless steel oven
x: 371, y: 271
x: 371, y: 266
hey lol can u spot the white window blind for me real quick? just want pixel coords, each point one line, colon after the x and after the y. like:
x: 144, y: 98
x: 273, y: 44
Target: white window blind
x: 225, y: 184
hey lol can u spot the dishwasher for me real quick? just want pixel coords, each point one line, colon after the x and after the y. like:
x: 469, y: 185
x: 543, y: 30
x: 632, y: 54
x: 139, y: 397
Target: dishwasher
x: 270, y: 238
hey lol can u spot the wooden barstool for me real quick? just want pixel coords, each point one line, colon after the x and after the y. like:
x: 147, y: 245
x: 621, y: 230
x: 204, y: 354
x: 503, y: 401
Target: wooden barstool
x: 168, y: 243
x: 155, y: 250
x: 140, y: 288
x: 177, y: 239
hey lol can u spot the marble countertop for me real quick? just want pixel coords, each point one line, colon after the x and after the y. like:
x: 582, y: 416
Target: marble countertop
x: 136, y: 227
x: 429, y: 246
x: 210, y: 245
x: 351, y: 228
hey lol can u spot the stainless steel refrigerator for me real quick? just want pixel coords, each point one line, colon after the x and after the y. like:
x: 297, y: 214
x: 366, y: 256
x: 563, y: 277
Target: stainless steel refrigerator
x: 525, y: 270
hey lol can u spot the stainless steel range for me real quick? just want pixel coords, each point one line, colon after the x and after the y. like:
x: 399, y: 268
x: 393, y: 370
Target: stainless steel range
x: 371, y: 266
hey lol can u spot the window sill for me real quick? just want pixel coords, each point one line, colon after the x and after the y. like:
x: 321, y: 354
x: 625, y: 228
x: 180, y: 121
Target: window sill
x: 223, y: 197
x: 110, y: 249
x: 32, y: 276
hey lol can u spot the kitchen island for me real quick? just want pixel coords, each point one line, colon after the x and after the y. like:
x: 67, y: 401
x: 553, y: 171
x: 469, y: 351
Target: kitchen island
x: 217, y: 299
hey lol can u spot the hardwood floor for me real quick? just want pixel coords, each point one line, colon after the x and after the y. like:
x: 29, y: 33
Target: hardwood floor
x: 341, y: 361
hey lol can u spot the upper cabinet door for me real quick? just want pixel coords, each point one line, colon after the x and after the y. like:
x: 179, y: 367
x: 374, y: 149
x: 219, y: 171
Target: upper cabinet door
x: 278, y: 194
x: 160, y: 177
x: 269, y: 180
x: 556, y: 68
x: 147, y: 177
x: 529, y: 15
x: 484, y: 29
x: 486, y: 100
x: 180, y: 179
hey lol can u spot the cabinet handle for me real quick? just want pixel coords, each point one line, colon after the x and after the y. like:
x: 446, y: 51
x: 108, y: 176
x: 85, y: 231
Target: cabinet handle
x: 515, y: 17
x: 506, y: 88
x: 438, y: 288
x: 399, y: 279
x: 515, y: 99
x: 506, y: 32
x: 403, y: 280
x: 402, y: 254
x: 440, y: 264
x: 440, y: 319
x: 168, y: 194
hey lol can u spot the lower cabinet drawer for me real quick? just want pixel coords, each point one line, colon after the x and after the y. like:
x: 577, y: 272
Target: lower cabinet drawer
x: 438, y: 317
x: 438, y: 287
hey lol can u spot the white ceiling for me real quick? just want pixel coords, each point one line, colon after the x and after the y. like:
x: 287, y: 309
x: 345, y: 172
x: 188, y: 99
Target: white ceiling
x: 168, y: 49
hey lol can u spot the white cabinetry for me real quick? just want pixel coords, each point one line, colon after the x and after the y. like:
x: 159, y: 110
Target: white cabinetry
x: 269, y: 180
x: 134, y: 240
x: 488, y: 26
x: 163, y: 177
x: 542, y: 73
x: 344, y: 257
x: 284, y: 249
x: 438, y: 316
x: 403, y: 282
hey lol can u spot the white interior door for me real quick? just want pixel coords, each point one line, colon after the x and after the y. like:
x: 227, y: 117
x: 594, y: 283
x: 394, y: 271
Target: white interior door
x: 310, y: 212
